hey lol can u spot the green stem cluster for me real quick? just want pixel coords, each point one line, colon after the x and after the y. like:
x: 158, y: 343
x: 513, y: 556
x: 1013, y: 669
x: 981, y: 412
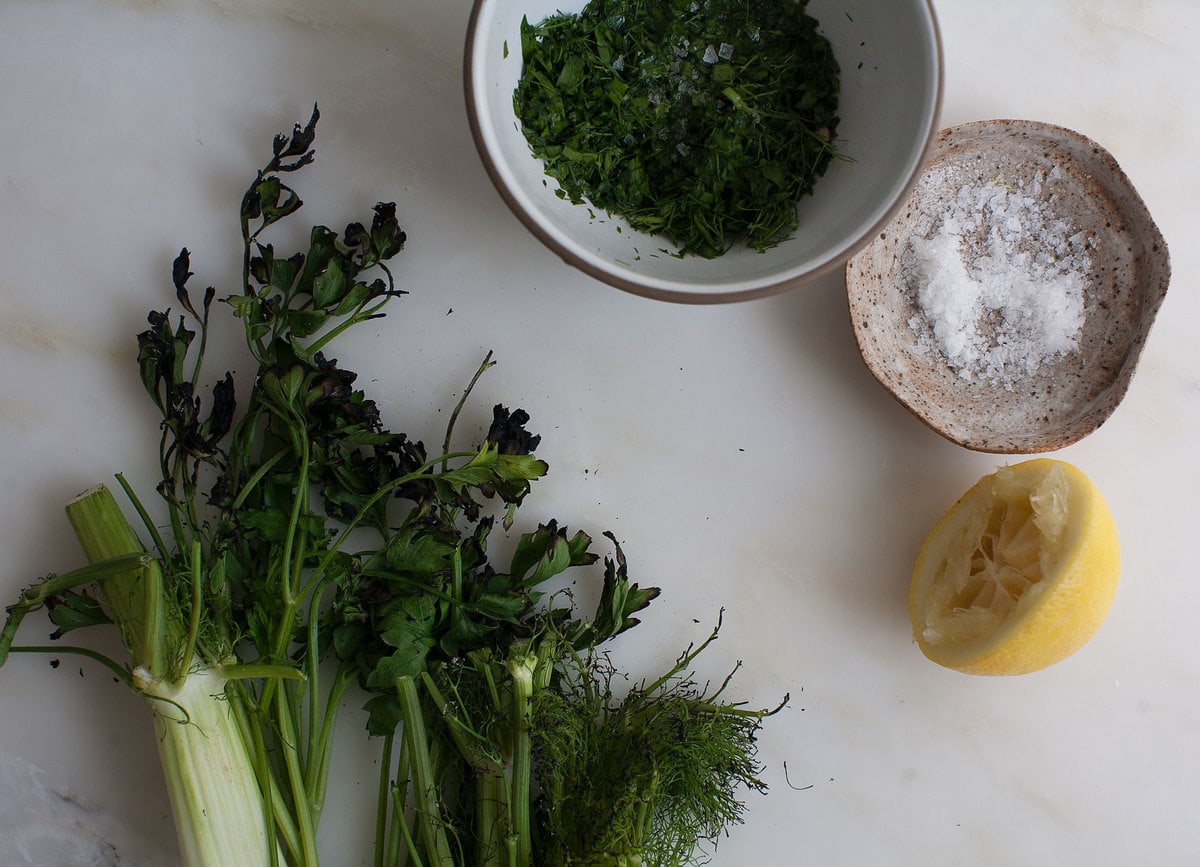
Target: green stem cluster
x: 306, y: 549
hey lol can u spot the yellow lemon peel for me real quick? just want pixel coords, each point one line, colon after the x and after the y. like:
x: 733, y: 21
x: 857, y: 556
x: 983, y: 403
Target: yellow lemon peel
x: 1018, y: 574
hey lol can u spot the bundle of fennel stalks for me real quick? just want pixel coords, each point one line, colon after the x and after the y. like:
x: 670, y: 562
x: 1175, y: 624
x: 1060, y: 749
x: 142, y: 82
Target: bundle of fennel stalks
x: 308, y: 550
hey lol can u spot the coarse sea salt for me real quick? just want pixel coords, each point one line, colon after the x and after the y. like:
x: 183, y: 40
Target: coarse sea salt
x: 1001, y: 282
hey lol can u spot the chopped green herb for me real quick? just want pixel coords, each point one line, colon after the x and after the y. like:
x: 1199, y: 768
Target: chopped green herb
x: 705, y: 123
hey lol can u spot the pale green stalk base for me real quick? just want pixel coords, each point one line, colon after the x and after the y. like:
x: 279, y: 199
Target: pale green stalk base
x: 219, y: 815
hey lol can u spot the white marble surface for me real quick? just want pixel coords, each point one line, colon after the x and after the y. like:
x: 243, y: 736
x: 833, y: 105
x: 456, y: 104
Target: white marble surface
x: 743, y: 454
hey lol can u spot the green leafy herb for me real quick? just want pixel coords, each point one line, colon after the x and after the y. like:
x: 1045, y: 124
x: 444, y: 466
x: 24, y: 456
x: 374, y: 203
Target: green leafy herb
x: 640, y: 778
x: 512, y: 745
x: 220, y: 610
x: 300, y: 547
x: 705, y: 123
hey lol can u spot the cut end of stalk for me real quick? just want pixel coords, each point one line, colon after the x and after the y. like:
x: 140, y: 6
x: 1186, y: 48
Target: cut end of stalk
x: 135, y: 597
x: 90, y: 492
x: 101, y: 526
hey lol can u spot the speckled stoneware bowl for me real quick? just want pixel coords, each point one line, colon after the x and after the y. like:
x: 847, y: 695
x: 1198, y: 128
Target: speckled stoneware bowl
x: 1121, y: 267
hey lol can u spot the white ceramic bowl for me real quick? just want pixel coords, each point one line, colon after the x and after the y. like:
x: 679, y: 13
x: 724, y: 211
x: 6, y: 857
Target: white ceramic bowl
x: 890, y: 55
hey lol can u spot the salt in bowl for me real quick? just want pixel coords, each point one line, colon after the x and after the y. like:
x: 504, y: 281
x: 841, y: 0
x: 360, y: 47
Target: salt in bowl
x: 1008, y: 302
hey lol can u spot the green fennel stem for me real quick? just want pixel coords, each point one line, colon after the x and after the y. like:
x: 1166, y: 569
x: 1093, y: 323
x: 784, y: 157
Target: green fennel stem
x: 119, y: 673
x: 521, y: 669
x: 495, y: 841
x: 323, y: 748
x: 401, y: 833
x: 210, y: 780
x: 215, y: 797
x: 383, y: 853
x: 425, y: 787
x: 283, y: 829
x: 35, y: 597
x: 136, y: 598
x: 285, y: 717
x: 491, y: 803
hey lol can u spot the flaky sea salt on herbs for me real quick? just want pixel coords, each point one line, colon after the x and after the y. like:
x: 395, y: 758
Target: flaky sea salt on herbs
x: 1001, y: 282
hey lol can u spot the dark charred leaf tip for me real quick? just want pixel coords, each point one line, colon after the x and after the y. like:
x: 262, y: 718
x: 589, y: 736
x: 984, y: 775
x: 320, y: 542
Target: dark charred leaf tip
x: 180, y: 274
x: 619, y: 555
x: 179, y: 269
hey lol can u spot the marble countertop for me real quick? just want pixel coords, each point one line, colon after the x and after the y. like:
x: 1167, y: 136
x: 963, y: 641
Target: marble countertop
x: 743, y: 454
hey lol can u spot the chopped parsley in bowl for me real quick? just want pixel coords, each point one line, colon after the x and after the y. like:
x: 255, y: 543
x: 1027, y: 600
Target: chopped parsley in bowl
x: 706, y: 127
x: 703, y: 150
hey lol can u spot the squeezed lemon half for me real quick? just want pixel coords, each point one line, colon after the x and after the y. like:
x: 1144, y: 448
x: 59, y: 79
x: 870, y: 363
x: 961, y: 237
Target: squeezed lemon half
x: 1018, y: 574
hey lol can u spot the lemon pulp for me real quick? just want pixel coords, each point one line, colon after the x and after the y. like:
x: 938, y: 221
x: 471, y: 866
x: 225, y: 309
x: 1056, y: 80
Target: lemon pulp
x: 1018, y: 574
